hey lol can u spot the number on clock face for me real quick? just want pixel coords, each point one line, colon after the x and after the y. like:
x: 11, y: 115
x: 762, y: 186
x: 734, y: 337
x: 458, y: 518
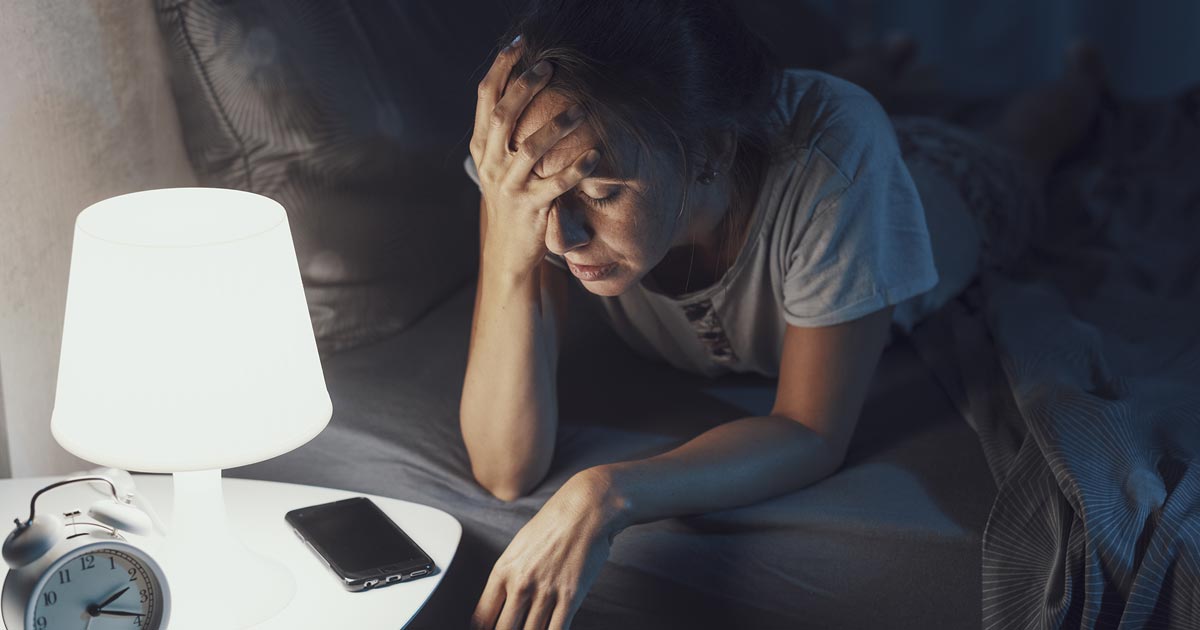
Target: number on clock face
x: 103, y: 589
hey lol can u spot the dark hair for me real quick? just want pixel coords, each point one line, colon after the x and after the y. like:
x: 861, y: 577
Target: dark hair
x: 663, y: 72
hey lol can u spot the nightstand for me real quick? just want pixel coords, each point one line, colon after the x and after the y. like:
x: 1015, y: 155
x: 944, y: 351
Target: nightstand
x: 256, y: 510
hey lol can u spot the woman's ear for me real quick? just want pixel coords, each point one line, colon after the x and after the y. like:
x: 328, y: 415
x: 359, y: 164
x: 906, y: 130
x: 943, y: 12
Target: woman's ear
x: 715, y: 156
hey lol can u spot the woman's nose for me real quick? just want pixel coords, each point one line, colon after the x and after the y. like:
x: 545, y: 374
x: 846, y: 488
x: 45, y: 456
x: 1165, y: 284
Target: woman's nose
x: 566, y: 229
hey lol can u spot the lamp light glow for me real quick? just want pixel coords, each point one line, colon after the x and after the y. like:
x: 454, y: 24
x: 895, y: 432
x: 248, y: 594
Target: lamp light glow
x: 187, y: 348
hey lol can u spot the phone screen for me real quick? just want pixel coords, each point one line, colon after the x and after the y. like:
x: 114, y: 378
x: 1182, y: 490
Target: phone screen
x: 356, y: 535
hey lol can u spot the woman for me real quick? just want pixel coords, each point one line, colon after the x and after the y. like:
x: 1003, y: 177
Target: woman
x: 729, y: 216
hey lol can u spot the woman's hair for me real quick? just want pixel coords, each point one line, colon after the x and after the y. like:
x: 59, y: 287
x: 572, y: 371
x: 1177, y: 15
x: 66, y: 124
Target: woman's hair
x: 666, y: 73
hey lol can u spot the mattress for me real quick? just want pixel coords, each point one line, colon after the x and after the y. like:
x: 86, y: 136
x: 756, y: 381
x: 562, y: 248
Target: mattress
x: 892, y: 539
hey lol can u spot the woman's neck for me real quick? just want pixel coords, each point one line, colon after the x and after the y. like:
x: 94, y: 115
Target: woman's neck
x: 717, y: 238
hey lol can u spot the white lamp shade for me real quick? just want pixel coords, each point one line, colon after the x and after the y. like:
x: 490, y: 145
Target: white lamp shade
x: 187, y: 343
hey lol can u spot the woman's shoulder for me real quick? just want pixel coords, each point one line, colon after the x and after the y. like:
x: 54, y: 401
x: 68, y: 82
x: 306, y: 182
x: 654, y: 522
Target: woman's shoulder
x: 845, y: 148
x: 817, y: 95
x: 834, y: 117
x: 827, y: 129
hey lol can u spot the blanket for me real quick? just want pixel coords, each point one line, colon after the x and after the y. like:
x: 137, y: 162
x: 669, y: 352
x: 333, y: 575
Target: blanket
x: 1080, y: 372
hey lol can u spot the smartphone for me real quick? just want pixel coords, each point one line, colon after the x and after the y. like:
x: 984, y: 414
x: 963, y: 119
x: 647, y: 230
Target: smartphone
x: 358, y: 542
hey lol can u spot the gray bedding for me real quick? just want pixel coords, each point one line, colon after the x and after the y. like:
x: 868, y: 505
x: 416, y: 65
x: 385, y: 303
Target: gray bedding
x: 892, y: 540
x: 1081, y: 375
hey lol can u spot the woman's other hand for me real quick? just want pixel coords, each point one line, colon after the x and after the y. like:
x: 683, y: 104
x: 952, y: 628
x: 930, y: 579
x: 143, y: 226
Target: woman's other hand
x: 517, y: 201
x: 545, y: 572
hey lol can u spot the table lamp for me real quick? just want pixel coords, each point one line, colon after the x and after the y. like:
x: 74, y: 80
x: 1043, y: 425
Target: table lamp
x: 187, y: 348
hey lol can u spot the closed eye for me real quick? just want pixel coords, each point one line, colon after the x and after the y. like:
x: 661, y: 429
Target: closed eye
x: 597, y: 201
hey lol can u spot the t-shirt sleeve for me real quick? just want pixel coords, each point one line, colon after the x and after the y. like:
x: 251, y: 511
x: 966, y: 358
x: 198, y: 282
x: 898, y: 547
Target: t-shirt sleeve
x: 866, y: 245
x: 469, y: 167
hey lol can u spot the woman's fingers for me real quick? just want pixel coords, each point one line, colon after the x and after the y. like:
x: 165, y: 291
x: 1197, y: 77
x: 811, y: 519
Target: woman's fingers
x: 491, y: 88
x: 489, y: 606
x: 539, y: 142
x: 516, y: 97
x: 566, y: 605
x: 564, y: 612
x: 539, y: 613
x: 566, y: 179
x: 516, y: 606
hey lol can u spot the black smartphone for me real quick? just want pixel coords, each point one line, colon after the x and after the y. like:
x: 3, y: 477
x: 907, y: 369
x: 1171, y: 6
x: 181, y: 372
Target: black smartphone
x: 360, y: 544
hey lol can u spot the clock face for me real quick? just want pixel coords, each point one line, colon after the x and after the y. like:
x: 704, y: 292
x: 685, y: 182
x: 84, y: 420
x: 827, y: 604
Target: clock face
x: 98, y: 588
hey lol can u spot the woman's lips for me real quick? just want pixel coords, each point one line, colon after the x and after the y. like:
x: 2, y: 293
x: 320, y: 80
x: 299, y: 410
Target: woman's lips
x: 591, y: 272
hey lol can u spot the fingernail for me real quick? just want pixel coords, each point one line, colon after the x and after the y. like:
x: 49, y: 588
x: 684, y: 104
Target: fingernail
x: 591, y: 159
x: 542, y: 69
x: 575, y: 113
x: 514, y: 41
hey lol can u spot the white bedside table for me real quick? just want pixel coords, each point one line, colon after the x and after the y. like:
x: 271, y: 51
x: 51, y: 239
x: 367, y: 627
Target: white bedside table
x: 256, y: 510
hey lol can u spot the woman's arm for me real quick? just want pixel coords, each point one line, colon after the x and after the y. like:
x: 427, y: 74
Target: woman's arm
x: 508, y: 413
x: 550, y: 565
x: 823, y: 381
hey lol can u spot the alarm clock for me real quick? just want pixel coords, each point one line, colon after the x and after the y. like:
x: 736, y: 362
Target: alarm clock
x: 90, y: 578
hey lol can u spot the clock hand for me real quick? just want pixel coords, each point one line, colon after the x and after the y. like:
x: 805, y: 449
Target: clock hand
x: 120, y: 613
x: 94, y: 609
x: 113, y: 598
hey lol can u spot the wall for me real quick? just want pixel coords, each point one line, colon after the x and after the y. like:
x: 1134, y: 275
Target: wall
x: 85, y: 114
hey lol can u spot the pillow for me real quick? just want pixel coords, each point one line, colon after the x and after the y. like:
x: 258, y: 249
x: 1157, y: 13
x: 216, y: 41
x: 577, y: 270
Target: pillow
x: 353, y: 115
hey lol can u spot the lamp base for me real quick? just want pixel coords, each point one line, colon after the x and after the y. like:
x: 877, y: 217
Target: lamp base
x: 215, y: 580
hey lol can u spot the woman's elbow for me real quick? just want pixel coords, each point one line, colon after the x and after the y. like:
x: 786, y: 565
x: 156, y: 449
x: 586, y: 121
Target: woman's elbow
x: 506, y: 487
x: 508, y: 474
x: 833, y: 457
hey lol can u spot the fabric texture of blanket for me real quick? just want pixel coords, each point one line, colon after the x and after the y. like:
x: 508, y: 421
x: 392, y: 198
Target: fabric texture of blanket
x: 1080, y: 372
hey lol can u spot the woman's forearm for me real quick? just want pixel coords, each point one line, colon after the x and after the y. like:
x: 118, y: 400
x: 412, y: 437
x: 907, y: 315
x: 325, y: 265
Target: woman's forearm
x: 738, y: 463
x: 508, y: 412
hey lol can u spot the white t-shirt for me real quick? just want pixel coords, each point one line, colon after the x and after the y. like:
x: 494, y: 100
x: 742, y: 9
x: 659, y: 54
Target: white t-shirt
x: 837, y: 232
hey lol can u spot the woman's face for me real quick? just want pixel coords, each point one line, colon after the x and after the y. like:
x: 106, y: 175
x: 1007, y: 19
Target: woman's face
x: 614, y: 227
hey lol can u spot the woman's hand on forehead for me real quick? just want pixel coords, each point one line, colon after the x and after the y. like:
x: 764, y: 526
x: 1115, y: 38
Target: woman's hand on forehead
x: 516, y: 201
x: 542, y: 111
